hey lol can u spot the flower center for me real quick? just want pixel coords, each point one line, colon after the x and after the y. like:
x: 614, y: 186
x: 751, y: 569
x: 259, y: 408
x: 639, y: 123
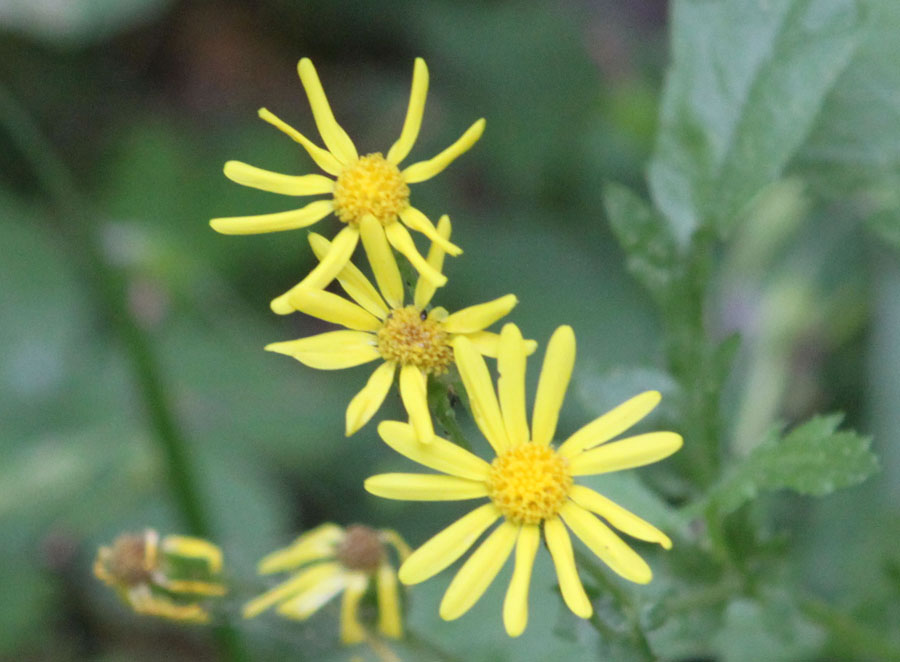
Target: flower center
x: 409, y: 339
x: 128, y: 560
x: 529, y: 483
x: 372, y: 185
x: 361, y: 549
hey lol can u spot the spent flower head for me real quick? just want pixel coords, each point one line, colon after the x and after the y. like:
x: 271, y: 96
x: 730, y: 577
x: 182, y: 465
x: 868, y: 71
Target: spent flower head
x: 369, y: 194
x: 530, y: 485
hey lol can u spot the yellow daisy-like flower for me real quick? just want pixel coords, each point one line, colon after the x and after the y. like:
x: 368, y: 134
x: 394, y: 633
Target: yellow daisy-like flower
x: 153, y: 577
x: 530, y: 484
x: 330, y: 560
x: 409, y: 340
x: 369, y: 193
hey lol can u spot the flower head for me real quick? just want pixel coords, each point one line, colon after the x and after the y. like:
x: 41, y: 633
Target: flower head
x: 329, y: 560
x: 530, y: 484
x: 407, y: 339
x: 162, y: 578
x: 369, y: 193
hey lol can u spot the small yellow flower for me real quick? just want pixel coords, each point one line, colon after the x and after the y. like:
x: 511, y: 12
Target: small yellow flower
x: 329, y: 560
x: 406, y: 338
x: 149, y: 574
x: 530, y: 484
x: 368, y: 193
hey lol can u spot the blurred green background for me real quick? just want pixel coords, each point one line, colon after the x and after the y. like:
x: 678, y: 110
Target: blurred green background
x: 144, y: 100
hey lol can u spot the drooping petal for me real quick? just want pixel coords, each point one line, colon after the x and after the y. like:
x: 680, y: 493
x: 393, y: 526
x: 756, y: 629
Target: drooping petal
x: 626, y: 453
x: 419, y: 90
x: 332, y: 350
x: 414, y: 393
x: 195, y: 548
x: 440, y: 454
x: 307, y: 603
x: 477, y: 381
x: 401, y: 240
x: 393, y: 538
x: 313, y: 545
x: 424, y: 487
x: 323, y: 158
x: 354, y: 282
x: 621, y: 518
x: 277, y: 222
x: 425, y: 289
x: 334, y: 137
x: 570, y: 585
x: 382, y: 260
x: 390, y: 623
x: 296, y: 585
x: 368, y: 401
x: 479, y: 317
x: 416, y: 220
x: 333, y: 308
x: 274, y: 182
x: 419, y: 172
x: 608, y: 547
x: 552, y: 384
x: 612, y: 423
x: 515, y: 605
x: 478, y: 571
x: 352, y: 631
x: 511, y: 383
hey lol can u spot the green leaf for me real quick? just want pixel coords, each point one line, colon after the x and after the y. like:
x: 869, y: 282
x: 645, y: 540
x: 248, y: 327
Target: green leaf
x: 746, y: 85
x: 814, y: 459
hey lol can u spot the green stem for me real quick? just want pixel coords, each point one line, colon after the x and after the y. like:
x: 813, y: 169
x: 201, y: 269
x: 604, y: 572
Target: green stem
x: 107, y: 285
x: 862, y: 641
x: 441, y: 404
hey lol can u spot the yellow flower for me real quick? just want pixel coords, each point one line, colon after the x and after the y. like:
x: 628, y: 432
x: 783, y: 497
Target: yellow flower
x: 148, y: 574
x: 408, y: 340
x: 368, y: 193
x: 329, y: 560
x: 530, y: 484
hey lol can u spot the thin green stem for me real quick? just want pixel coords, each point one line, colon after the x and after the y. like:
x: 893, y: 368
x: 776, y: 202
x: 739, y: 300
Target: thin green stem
x: 108, y: 287
x: 858, y: 639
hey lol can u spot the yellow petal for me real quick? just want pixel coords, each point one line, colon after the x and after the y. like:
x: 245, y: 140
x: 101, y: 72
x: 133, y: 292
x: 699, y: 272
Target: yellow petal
x: 626, y: 453
x: 440, y: 454
x: 318, y: 543
x: 192, y: 586
x: 333, y: 350
x: 302, y: 606
x: 390, y: 623
x: 552, y: 385
x: 334, y: 137
x: 403, y: 242
x: 478, y: 572
x: 382, y: 261
x: 194, y: 548
x: 352, y: 631
x: 266, y: 180
x: 416, y: 220
x: 511, y: 383
x: 608, y: 547
x: 393, y: 538
x: 515, y: 605
x: 570, y: 585
x: 332, y: 308
x: 419, y: 90
x: 477, y: 380
x: 481, y: 316
x: 444, y: 548
x: 295, y: 585
x: 354, y: 282
x: 419, y: 172
x: 624, y: 520
x: 424, y: 487
x: 322, y: 158
x: 486, y: 342
x: 330, y: 266
x: 609, y: 425
x: 277, y: 222
x: 425, y: 289
x: 365, y: 403
x: 414, y: 393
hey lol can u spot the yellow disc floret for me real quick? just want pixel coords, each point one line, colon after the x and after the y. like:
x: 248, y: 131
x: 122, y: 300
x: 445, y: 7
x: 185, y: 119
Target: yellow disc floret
x: 372, y: 185
x: 409, y: 338
x: 529, y: 483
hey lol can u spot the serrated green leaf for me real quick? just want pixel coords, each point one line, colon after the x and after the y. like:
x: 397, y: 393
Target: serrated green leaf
x: 814, y: 459
x: 747, y: 82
